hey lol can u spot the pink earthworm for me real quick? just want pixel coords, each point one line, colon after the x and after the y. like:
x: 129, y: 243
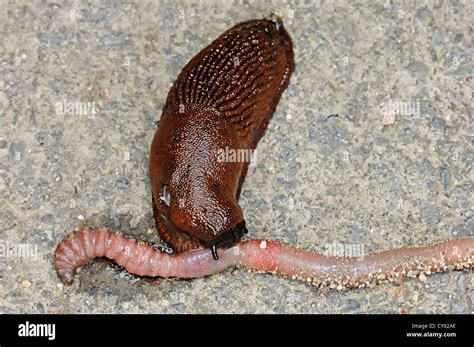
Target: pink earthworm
x: 143, y: 259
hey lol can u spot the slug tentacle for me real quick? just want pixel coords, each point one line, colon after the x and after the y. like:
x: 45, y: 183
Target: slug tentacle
x: 142, y: 259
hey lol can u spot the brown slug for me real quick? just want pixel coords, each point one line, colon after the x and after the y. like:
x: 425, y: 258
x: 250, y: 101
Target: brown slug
x: 222, y: 99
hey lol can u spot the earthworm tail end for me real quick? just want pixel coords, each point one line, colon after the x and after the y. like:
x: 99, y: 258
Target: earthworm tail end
x: 142, y: 259
x: 355, y: 272
x: 137, y: 257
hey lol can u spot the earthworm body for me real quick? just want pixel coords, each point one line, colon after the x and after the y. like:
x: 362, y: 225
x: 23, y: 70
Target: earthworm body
x: 143, y: 259
x: 222, y: 101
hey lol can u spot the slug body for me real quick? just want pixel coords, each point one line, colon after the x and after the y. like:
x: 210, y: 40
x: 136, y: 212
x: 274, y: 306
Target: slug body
x: 221, y: 101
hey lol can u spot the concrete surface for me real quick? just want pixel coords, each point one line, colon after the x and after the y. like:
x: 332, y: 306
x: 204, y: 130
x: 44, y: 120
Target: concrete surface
x: 319, y: 180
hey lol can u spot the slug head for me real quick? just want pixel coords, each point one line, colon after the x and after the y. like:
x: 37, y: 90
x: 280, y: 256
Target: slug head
x: 194, y: 190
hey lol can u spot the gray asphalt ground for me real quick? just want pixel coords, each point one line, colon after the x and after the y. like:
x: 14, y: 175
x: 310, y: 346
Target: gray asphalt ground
x: 346, y: 180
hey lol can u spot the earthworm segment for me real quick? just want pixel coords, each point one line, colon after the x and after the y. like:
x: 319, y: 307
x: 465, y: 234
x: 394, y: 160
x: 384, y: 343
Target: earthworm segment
x: 143, y: 259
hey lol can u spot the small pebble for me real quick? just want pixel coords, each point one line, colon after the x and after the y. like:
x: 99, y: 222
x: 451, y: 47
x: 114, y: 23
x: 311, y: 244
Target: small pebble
x: 263, y: 244
x: 81, y: 217
x: 388, y: 119
x: 26, y: 284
